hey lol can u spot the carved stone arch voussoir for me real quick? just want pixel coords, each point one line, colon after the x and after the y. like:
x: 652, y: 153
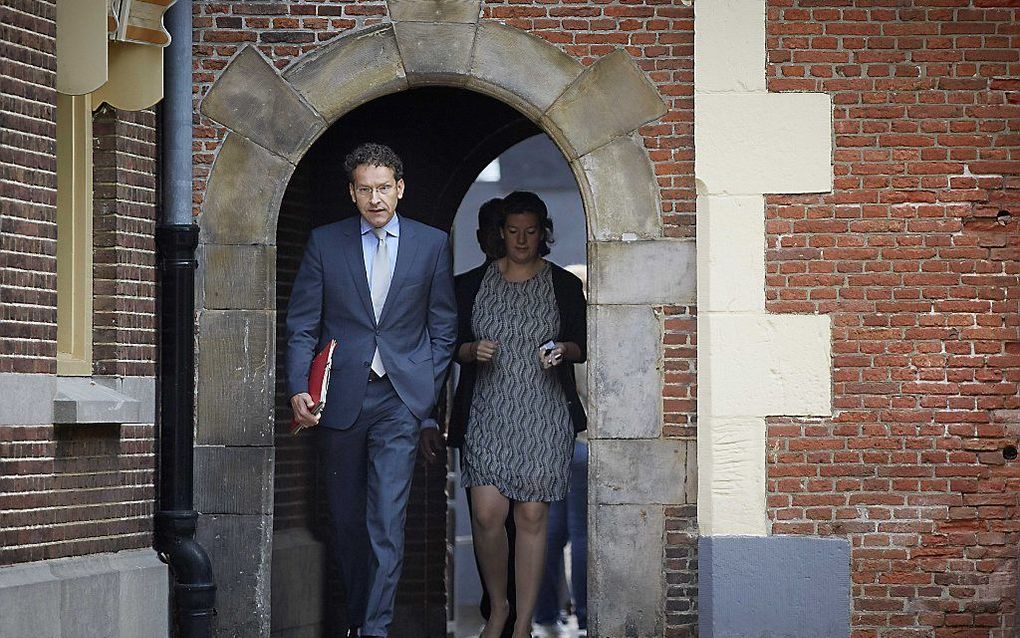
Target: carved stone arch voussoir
x: 591, y: 113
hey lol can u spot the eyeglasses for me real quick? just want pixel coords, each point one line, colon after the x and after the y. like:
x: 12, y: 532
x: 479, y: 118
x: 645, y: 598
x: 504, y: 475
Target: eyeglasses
x: 369, y: 191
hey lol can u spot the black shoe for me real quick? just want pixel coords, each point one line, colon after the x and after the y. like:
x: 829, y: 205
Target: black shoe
x: 354, y: 632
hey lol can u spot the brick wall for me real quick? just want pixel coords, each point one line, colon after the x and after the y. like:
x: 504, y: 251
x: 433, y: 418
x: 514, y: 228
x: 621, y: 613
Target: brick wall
x: 124, y: 222
x: 28, y: 182
x: 680, y: 566
x: 915, y: 257
x: 297, y: 500
x: 70, y: 490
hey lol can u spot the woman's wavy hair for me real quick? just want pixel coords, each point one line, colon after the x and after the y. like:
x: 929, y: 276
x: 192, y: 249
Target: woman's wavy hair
x: 519, y: 202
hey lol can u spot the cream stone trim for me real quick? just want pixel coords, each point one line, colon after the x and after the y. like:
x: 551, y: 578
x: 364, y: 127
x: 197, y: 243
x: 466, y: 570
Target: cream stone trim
x: 752, y: 364
x: 74, y: 234
x: 136, y: 77
x: 81, y: 46
x: 123, y: 69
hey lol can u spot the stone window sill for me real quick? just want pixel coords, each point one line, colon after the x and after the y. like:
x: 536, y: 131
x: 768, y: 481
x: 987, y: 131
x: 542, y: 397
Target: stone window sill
x: 93, y: 400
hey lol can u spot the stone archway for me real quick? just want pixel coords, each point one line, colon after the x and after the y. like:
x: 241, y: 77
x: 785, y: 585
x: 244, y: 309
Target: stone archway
x: 592, y: 114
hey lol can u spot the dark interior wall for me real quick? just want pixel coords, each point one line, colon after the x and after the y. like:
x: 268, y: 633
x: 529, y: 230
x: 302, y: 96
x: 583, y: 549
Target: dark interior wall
x: 445, y: 137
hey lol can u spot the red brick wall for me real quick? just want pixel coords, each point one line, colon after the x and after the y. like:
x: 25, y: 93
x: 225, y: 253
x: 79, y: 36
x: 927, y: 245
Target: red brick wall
x: 70, y: 490
x: 659, y: 34
x: 915, y: 257
x: 28, y: 183
x: 124, y: 219
x: 296, y: 497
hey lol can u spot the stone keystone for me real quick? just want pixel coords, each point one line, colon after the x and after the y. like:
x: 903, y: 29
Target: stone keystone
x: 611, y: 98
x: 435, y: 52
x: 251, y: 99
x: 434, y: 10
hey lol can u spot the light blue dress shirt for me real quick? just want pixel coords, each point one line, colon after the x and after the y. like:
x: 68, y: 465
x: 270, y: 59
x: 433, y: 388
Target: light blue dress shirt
x: 370, y: 243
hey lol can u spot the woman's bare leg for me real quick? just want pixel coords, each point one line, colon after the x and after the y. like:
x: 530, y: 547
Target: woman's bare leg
x: 489, y: 512
x: 531, y: 520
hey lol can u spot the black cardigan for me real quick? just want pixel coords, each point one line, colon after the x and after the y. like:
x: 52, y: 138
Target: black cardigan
x: 573, y: 327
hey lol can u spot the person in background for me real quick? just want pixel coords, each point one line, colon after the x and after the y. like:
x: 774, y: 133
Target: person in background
x: 490, y: 220
x: 568, y: 521
x: 521, y: 327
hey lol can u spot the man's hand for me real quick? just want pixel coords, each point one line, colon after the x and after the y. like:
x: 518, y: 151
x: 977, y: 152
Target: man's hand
x: 302, y: 404
x: 485, y: 350
x: 431, y: 444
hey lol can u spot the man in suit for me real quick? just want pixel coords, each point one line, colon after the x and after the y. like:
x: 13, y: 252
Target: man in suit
x: 382, y: 286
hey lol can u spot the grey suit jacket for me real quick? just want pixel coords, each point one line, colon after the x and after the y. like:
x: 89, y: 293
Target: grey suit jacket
x: 415, y: 333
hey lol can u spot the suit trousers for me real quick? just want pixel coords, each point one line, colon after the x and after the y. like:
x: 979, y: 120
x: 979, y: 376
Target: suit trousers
x: 368, y: 469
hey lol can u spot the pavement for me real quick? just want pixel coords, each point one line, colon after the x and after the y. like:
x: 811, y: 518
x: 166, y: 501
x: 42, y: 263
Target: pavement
x: 470, y: 625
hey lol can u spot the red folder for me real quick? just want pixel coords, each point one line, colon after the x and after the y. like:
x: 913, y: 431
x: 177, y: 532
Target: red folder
x: 318, y: 382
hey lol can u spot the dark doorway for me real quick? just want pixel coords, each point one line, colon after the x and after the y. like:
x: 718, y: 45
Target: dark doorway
x: 445, y: 136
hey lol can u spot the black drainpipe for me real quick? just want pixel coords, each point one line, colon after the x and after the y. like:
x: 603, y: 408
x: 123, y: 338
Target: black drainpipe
x: 194, y: 591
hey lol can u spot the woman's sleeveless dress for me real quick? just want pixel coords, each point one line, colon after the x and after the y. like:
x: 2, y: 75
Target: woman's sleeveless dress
x: 519, y: 435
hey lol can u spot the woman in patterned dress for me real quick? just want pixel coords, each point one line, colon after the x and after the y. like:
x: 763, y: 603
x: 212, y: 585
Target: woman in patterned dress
x: 517, y: 401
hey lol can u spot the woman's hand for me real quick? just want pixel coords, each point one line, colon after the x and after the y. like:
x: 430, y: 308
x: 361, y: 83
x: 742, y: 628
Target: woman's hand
x: 481, y: 351
x: 551, y: 357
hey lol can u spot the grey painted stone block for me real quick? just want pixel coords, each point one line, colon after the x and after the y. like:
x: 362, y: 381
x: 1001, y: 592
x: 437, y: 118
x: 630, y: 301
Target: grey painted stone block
x: 237, y: 277
x: 236, y: 368
x: 789, y: 586
x: 141, y: 389
x: 234, y: 480
x: 144, y: 594
x: 349, y: 71
x: 626, y: 574
x: 89, y: 597
x: 298, y: 576
x: 435, y: 52
x: 242, y: 200
x: 642, y: 471
x: 38, y: 412
x: 122, y: 595
x: 240, y: 547
x: 251, y: 99
x: 624, y: 372
x: 611, y: 98
x: 29, y: 601
x: 83, y: 400
x: 434, y: 10
x: 663, y: 271
x: 621, y: 191
x: 523, y: 70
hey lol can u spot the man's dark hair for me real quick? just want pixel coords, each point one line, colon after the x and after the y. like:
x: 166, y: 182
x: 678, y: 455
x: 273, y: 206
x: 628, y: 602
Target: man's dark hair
x: 519, y: 202
x: 372, y: 154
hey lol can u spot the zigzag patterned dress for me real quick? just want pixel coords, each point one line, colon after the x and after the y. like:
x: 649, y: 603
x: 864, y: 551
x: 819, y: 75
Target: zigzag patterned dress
x: 519, y: 436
